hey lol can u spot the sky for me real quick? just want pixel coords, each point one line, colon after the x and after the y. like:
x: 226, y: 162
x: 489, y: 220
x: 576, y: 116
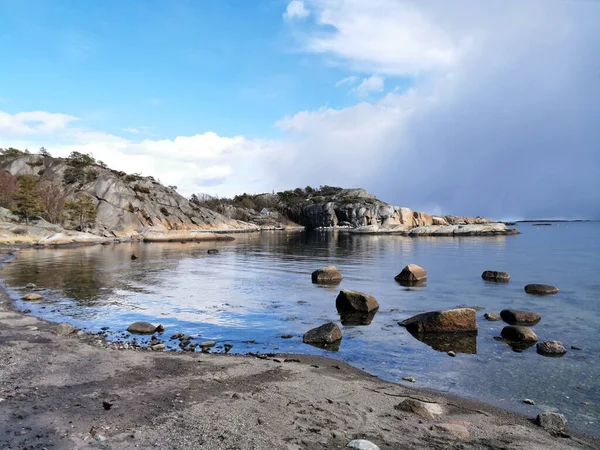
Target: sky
x: 465, y: 107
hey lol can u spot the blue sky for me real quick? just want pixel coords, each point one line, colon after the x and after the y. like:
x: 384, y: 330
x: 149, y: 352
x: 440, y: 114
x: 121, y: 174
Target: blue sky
x: 438, y: 106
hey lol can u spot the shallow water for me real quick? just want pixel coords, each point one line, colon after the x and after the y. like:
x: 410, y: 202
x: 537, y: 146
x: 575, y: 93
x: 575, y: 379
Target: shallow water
x: 258, y: 287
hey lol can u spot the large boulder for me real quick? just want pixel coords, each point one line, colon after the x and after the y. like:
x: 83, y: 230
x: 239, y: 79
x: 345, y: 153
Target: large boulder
x: 492, y: 275
x: 541, y: 289
x: 516, y: 333
x: 551, y: 348
x: 329, y: 333
x: 327, y: 275
x: 411, y: 274
x: 426, y: 410
x: 348, y: 300
x: 451, y: 320
x: 551, y: 421
x: 144, y: 328
x: 516, y: 317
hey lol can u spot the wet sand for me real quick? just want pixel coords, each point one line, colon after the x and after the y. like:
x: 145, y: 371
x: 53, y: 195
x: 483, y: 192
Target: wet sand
x: 79, y: 391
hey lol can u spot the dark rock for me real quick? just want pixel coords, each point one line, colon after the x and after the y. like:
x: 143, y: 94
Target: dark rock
x: 541, y: 289
x: 450, y: 320
x: 451, y: 353
x: 227, y: 347
x: 348, y: 300
x: 492, y: 317
x: 518, y: 334
x: 134, y: 256
x: 212, y: 251
x: 551, y: 421
x: 106, y: 405
x: 325, y: 335
x: 492, y: 275
x: 516, y: 317
x: 575, y: 347
x: 551, y: 348
x: 286, y: 336
x: 144, y: 328
x: 327, y: 275
x: 528, y: 401
x: 411, y: 274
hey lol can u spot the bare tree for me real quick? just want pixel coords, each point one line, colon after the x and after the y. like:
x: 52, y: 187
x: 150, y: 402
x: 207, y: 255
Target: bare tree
x: 54, y: 200
x: 8, y: 187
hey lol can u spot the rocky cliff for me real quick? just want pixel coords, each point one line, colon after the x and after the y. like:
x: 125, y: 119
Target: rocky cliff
x: 127, y: 204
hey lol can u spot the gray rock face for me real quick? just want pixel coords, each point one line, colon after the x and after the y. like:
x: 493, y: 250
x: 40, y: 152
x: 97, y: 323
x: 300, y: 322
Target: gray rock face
x: 412, y: 274
x: 447, y: 321
x: 144, y: 328
x: 329, y: 333
x: 348, y: 300
x: 516, y: 317
x: 327, y: 275
x: 551, y: 348
x: 425, y: 410
x: 518, y: 334
x: 64, y: 329
x: 551, y: 421
x: 541, y: 289
x: 492, y: 275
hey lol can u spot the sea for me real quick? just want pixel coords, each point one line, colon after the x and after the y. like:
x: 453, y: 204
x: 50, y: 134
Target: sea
x: 258, y: 288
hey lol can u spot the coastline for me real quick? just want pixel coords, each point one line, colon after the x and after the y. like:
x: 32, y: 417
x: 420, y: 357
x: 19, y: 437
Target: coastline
x: 54, y: 389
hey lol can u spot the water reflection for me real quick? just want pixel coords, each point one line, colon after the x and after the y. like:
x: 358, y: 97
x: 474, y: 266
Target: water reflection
x: 356, y: 318
x: 445, y: 342
x: 333, y: 347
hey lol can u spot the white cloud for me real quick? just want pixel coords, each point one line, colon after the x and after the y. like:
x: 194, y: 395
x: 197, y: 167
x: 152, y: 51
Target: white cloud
x: 369, y: 85
x: 296, y: 10
x: 132, y: 130
x: 347, y: 81
x: 34, y: 122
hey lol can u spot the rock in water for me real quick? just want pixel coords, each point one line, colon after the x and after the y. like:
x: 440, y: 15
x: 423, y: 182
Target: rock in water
x: 144, y: 328
x: 133, y: 257
x: 516, y: 317
x: 327, y: 275
x: 492, y: 275
x: 518, y: 334
x: 32, y: 297
x: 423, y: 409
x: 348, y: 300
x: 30, y: 286
x: 551, y: 348
x: 325, y: 334
x: 362, y: 444
x: 541, y: 289
x: 64, y: 329
x: 411, y: 274
x: 492, y: 317
x: 450, y: 320
x: 551, y: 421
x: 212, y: 251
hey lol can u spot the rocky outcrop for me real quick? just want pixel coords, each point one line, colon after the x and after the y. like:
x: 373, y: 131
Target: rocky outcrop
x: 348, y: 300
x: 326, y: 275
x: 448, y: 321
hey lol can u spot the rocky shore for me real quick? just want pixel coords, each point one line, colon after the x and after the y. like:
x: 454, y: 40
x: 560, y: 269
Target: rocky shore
x: 80, y: 391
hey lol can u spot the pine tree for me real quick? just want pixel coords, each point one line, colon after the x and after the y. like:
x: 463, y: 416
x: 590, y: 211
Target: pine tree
x: 82, y: 210
x: 27, y: 198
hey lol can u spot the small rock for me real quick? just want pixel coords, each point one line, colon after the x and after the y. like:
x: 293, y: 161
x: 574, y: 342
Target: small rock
x: 492, y: 275
x: 105, y: 328
x: 529, y: 401
x: 362, y: 444
x: 541, y: 289
x: 228, y: 347
x: 26, y: 311
x: 492, y: 317
x: 64, y: 329
x: 551, y: 348
x: 32, y: 297
x: 518, y: 334
x: 423, y: 409
x: 460, y: 431
x: 451, y: 353
x: 106, y: 405
x: 207, y: 344
x: 325, y: 334
x: 348, y: 300
x: 157, y: 347
x: 516, y: 317
x: 212, y: 251
x: 411, y: 274
x: 575, y: 347
x: 326, y: 275
x: 144, y: 328
x: 134, y: 256
x: 30, y: 285
x: 551, y: 421
x: 286, y: 336
x: 411, y: 379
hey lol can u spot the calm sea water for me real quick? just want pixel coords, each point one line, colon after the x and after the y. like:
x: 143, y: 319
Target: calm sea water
x: 258, y: 287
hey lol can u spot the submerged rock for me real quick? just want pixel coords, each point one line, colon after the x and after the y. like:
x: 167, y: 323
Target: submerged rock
x: 551, y: 421
x: 329, y: 333
x: 492, y: 275
x: 144, y: 328
x: 450, y: 320
x: 327, y: 275
x: 348, y: 300
x: 425, y: 410
x: 492, y: 317
x: 32, y: 297
x: 551, y: 348
x: 411, y: 274
x: 516, y: 317
x: 541, y: 289
x: 518, y: 334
